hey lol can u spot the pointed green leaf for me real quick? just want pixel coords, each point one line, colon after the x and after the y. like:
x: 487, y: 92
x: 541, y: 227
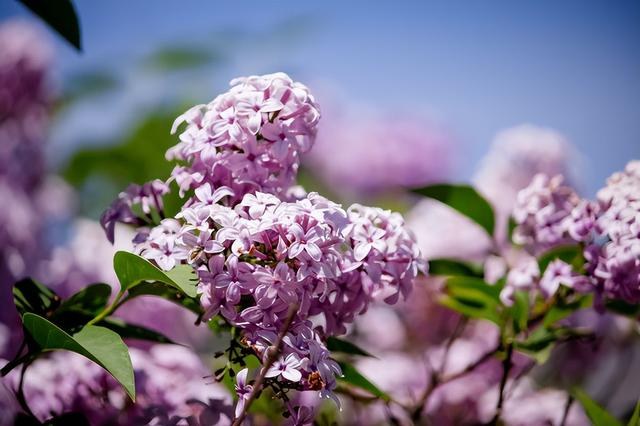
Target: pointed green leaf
x: 335, y: 344
x: 132, y: 331
x: 166, y: 292
x: 99, y: 344
x: 91, y: 299
x: 353, y: 377
x: 598, y: 415
x: 635, y: 418
x: 31, y: 296
x: 451, y: 267
x: 132, y: 270
x: 465, y: 200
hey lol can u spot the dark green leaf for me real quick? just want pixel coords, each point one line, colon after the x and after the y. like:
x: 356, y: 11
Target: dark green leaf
x: 60, y: 15
x: 511, y: 226
x: 353, y: 377
x: 99, y: 344
x: 452, y: 267
x: 91, y: 299
x: 520, y: 311
x: 31, y: 296
x: 465, y: 200
x: 598, y: 415
x: 132, y: 270
x: 75, y: 419
x: 132, y: 331
x: 169, y: 293
x: 335, y: 344
x: 460, y: 284
x: 623, y: 308
x: 635, y: 417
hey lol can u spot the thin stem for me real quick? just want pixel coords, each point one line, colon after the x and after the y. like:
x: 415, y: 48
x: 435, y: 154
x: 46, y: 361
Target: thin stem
x: 567, y: 408
x: 506, y: 367
x: 109, y: 309
x: 273, y: 353
x: 20, y: 392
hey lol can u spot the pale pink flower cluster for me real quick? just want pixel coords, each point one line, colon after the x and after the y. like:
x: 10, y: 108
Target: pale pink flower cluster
x: 249, y: 138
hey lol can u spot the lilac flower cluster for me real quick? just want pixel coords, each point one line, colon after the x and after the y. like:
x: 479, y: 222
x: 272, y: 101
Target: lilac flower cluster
x: 249, y: 138
x: 264, y: 255
x: 24, y: 102
x: 549, y: 214
x: 170, y: 383
x: 260, y: 246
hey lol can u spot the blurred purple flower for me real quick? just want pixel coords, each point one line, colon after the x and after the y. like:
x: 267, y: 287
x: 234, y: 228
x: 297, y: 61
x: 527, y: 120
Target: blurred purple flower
x: 371, y: 152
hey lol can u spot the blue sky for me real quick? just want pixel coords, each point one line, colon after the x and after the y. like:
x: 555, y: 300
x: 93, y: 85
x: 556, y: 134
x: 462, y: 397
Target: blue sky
x: 477, y: 66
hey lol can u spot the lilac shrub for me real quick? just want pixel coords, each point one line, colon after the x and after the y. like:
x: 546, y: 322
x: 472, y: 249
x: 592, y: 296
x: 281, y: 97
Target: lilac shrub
x: 261, y: 246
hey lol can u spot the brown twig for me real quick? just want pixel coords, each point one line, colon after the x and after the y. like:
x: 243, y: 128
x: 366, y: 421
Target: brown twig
x: 273, y: 353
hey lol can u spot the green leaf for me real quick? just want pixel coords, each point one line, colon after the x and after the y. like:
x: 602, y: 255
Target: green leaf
x: 176, y: 58
x: 465, y: 200
x: 571, y: 254
x: 520, y: 311
x: 353, y: 377
x: 538, y: 345
x: 598, y: 415
x: 60, y: 15
x: 132, y: 270
x: 469, y: 309
x: 99, y: 344
x: 335, y: 344
x: 132, y: 331
x: 451, y: 267
x: 622, y: 308
x: 560, y: 311
x: 31, y: 296
x: 511, y: 226
x: 168, y: 293
x: 635, y: 418
x: 91, y: 299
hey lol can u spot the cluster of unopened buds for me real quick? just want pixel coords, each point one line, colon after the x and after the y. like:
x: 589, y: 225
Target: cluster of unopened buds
x: 260, y: 245
x: 607, y: 230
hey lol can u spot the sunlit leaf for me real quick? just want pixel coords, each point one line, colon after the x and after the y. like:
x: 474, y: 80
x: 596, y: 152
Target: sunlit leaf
x: 353, y: 377
x: 465, y: 200
x: 99, y: 344
x: 596, y: 413
x: 132, y: 270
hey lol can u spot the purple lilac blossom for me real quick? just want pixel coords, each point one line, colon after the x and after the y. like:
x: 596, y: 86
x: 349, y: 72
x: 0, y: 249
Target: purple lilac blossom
x: 517, y: 154
x: 24, y: 106
x: 249, y: 138
x: 379, y: 152
x: 171, y: 387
